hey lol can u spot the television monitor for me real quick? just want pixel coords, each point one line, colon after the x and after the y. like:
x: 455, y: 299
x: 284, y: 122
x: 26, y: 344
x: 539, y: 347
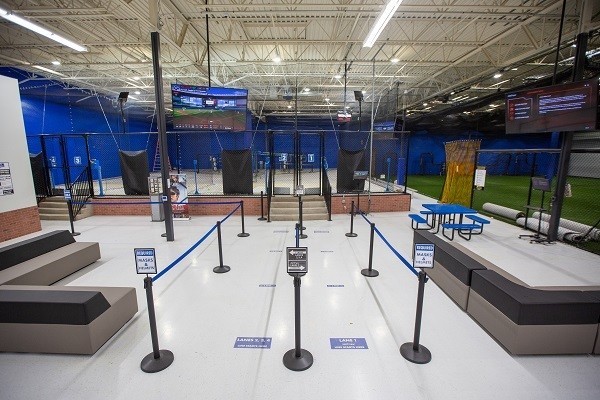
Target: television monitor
x: 559, y: 108
x: 209, y: 108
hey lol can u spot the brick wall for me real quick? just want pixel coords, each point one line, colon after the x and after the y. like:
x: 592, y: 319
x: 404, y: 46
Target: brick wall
x: 387, y: 202
x: 129, y: 206
x: 19, y: 222
x: 118, y: 205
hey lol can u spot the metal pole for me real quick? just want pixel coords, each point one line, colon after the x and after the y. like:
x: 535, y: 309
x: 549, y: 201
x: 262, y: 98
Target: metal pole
x: 71, y: 218
x: 89, y: 172
x: 351, y: 233
x: 220, y: 269
x: 414, y: 351
x: 302, y: 235
x: 162, y: 131
x: 370, y: 272
x: 297, y: 284
x: 297, y: 228
x: 243, y: 233
x: 207, y: 43
x: 158, y: 359
x: 262, y: 214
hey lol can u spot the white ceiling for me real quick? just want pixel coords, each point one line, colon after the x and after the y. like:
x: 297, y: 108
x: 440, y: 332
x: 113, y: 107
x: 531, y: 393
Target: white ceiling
x: 446, y: 50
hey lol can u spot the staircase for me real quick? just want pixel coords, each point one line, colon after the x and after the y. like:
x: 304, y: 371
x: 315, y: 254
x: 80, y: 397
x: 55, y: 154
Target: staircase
x: 56, y: 208
x: 285, y: 208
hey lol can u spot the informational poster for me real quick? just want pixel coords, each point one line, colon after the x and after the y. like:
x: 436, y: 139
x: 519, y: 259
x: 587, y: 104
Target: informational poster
x: 479, y: 178
x: 6, y: 185
x: 179, y: 196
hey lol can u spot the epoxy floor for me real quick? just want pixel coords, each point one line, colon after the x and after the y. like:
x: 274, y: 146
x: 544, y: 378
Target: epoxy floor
x: 200, y: 314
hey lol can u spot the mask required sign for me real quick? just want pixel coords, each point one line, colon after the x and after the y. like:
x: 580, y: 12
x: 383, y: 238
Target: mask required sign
x: 424, y: 255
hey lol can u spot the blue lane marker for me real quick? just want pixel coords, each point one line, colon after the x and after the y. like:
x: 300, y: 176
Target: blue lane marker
x: 335, y: 285
x: 267, y: 285
x: 348, y: 343
x: 243, y: 342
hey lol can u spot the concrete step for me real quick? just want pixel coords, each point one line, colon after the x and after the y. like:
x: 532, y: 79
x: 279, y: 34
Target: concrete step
x: 56, y: 208
x: 305, y: 217
x: 54, y: 217
x: 293, y: 199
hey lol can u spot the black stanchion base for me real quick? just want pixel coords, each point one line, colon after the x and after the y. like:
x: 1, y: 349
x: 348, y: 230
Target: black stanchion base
x: 304, y: 362
x: 371, y: 274
x: 243, y: 234
x: 75, y: 233
x: 261, y: 219
x: 351, y: 234
x: 163, y: 235
x: 150, y: 364
x: 302, y: 236
x: 221, y: 269
x: 303, y: 228
x: 420, y: 356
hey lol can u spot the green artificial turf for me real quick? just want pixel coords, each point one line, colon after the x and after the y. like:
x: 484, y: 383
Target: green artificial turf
x: 511, y: 191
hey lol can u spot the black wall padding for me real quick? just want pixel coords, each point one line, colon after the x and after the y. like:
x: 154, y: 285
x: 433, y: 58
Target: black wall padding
x: 237, y: 171
x: 348, y: 162
x: 39, y: 175
x: 135, y: 171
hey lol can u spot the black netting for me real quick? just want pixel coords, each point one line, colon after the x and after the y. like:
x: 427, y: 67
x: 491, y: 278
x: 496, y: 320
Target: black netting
x: 134, y: 172
x: 237, y: 171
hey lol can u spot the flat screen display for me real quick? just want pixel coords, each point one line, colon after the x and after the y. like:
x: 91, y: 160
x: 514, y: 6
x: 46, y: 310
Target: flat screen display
x: 209, y: 108
x: 559, y: 108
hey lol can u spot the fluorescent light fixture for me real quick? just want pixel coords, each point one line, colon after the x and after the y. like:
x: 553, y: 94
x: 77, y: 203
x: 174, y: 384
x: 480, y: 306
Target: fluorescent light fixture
x: 136, y: 78
x: 394, y: 60
x: 48, y: 70
x: 306, y: 89
x: 338, y: 76
x: 289, y: 106
x: 38, y: 29
x: 137, y: 92
x: 55, y: 62
x: 497, y: 75
x: 382, y: 20
x: 327, y: 99
x: 277, y: 59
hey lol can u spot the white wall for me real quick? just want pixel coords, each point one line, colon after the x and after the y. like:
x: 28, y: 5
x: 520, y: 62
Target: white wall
x: 13, y: 147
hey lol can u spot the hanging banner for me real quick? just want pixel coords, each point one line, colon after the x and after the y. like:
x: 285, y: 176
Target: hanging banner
x: 6, y: 185
x: 179, y: 196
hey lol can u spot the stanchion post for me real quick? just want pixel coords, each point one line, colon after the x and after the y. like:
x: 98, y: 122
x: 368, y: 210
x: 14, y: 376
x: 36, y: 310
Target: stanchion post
x: 220, y: 269
x: 351, y: 233
x: 243, y: 233
x: 415, y: 352
x: 71, y: 218
x: 370, y: 272
x: 158, y: 359
x: 297, y: 235
x: 262, y: 215
x: 302, y: 235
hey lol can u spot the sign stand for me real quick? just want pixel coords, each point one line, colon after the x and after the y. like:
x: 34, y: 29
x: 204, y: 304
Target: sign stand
x: 145, y: 262
x: 297, y: 359
x: 67, y: 194
x: 413, y: 351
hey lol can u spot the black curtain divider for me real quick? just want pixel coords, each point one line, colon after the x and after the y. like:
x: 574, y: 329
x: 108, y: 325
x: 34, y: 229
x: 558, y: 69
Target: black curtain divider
x: 237, y: 171
x: 348, y: 162
x: 39, y: 174
x: 134, y: 171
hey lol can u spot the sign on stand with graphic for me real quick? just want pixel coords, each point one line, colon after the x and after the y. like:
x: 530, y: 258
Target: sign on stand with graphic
x: 297, y: 260
x: 6, y: 184
x: 145, y: 261
x: 424, y: 255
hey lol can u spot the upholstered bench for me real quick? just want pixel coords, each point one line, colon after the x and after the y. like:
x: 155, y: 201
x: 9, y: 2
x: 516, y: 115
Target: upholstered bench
x: 453, y: 267
x: 45, y: 259
x: 526, y: 320
x: 62, y: 319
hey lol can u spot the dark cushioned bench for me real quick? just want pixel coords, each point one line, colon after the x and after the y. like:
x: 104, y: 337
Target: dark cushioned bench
x: 17, y: 253
x: 62, y: 319
x: 534, y: 321
x: 453, y: 267
x: 45, y: 259
x: 51, y: 306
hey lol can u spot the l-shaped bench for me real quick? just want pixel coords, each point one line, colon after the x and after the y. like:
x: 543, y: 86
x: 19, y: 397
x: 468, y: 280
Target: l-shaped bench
x: 38, y: 318
x: 524, y: 319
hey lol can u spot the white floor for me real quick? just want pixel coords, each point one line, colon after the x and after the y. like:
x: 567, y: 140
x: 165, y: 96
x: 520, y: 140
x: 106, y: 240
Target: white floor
x: 201, y: 313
